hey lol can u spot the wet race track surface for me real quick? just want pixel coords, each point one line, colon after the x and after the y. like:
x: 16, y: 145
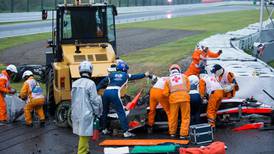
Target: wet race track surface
x: 17, y: 138
x: 128, y: 40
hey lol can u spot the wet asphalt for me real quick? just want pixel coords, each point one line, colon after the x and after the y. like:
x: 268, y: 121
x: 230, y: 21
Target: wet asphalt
x: 17, y: 138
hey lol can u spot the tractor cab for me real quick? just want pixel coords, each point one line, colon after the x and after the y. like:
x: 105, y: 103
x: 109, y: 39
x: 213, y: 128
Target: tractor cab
x: 83, y: 25
x: 79, y: 32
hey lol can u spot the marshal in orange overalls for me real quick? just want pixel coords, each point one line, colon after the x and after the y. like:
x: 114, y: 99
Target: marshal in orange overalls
x: 156, y: 96
x: 35, y: 100
x: 210, y: 85
x: 228, y: 78
x: 197, y: 57
x: 4, y: 89
x: 177, y: 88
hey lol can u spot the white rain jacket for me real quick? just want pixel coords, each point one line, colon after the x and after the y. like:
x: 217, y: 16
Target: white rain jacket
x: 85, y: 104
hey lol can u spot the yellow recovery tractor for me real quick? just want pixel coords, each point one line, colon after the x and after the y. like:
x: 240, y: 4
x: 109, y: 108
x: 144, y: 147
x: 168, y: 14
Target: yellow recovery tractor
x: 79, y: 32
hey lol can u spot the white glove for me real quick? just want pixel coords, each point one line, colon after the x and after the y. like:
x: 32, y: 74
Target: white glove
x: 12, y: 91
x: 154, y: 79
x: 204, y: 101
x: 147, y: 74
x: 229, y: 88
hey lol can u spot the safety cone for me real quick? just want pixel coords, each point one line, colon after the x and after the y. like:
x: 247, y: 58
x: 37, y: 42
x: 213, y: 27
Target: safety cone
x: 134, y: 102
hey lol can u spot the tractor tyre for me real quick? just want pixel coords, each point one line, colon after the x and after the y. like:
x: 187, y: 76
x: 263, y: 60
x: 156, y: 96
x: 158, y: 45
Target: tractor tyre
x: 69, y: 117
x: 50, y: 92
x: 61, y: 114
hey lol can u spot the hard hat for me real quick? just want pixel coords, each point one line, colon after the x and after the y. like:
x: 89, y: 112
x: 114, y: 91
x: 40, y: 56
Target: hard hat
x: 217, y: 70
x: 122, y: 66
x: 175, y: 66
x: 203, y: 73
x: 12, y: 68
x: 200, y: 46
x: 194, y: 80
x: 85, y: 67
x: 27, y: 73
x: 119, y: 61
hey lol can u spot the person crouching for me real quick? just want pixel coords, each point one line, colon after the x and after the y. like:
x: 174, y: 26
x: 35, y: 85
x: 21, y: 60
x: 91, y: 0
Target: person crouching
x: 33, y: 94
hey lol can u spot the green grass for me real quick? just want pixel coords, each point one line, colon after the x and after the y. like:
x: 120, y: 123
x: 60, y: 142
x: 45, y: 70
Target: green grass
x: 19, y: 22
x: 15, y: 41
x: 271, y: 63
x: 158, y: 58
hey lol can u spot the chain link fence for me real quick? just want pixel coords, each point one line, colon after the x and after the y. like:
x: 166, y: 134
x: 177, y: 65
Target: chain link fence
x: 37, y: 5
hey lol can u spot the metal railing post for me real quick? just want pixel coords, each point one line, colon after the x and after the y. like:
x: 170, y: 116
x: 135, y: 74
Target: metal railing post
x: 42, y: 4
x: 55, y: 4
x: 12, y: 6
x: 27, y: 5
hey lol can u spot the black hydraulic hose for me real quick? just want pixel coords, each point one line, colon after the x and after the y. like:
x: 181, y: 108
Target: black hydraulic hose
x: 268, y: 94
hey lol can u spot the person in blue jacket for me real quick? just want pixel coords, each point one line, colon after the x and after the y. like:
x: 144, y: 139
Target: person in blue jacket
x: 115, y: 81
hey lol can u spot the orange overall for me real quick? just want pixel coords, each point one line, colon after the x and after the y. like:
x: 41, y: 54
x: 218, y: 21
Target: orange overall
x: 213, y: 88
x: 177, y: 88
x: 197, y: 56
x: 34, y: 102
x: 228, y: 78
x: 156, y: 96
x: 4, y: 89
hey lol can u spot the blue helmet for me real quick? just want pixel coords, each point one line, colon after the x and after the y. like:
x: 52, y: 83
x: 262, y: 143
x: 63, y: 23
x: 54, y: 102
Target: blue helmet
x: 122, y: 66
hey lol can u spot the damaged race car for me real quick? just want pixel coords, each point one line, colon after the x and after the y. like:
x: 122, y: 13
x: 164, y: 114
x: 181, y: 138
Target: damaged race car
x: 230, y: 111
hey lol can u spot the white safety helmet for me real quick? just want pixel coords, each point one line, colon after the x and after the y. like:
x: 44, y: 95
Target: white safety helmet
x: 203, y: 74
x: 200, y: 46
x: 27, y: 73
x: 119, y: 61
x: 194, y: 80
x: 85, y: 67
x: 12, y: 68
x: 217, y: 69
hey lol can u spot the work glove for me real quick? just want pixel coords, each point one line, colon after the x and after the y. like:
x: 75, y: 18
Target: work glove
x: 147, y: 74
x: 12, y: 91
x: 229, y: 88
x: 220, y: 52
x: 154, y: 79
x: 204, y: 100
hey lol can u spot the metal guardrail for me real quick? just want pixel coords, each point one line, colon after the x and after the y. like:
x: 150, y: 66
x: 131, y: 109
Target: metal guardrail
x: 37, y: 5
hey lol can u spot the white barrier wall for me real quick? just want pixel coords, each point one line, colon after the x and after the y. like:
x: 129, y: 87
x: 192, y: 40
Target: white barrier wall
x: 252, y: 74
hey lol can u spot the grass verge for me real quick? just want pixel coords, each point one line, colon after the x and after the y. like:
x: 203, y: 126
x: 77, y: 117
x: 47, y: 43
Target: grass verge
x: 15, y: 41
x: 21, y: 22
x: 157, y: 59
x: 271, y: 63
